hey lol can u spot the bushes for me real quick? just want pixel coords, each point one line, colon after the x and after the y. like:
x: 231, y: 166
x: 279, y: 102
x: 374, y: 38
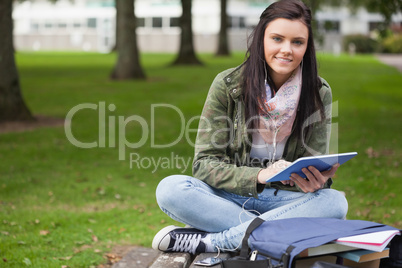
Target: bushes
x: 362, y: 43
x: 366, y: 44
x: 392, y: 44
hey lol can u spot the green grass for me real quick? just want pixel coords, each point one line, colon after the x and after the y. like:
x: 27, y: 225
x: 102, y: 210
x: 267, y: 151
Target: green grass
x: 63, y: 205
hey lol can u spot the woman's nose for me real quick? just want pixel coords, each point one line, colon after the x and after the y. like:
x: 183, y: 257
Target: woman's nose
x: 286, y: 48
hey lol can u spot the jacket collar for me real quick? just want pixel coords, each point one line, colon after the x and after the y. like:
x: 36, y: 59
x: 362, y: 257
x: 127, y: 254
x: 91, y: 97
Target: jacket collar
x: 233, y: 82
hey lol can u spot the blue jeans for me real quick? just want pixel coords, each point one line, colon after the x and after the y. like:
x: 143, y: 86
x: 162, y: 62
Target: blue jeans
x: 226, y: 216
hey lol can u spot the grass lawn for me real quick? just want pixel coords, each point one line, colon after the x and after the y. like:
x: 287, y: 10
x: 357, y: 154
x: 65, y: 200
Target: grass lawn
x: 64, y: 205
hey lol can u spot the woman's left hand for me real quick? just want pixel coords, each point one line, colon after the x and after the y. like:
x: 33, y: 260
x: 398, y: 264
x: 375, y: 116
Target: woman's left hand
x: 314, y: 180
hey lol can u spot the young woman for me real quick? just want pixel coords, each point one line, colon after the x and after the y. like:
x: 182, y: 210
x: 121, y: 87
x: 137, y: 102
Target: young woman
x: 257, y: 118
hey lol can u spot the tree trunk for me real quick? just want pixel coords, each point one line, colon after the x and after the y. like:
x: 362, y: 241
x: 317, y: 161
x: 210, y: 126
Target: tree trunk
x: 128, y: 60
x: 116, y: 34
x: 186, y: 53
x: 223, y: 44
x: 12, y: 105
x: 314, y: 6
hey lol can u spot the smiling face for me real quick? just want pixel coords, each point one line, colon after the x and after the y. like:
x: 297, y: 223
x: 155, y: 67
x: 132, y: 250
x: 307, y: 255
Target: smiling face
x: 285, y: 42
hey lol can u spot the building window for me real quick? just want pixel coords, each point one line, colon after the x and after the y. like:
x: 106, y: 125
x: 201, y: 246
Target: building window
x: 174, y: 22
x: 140, y: 22
x: 236, y: 22
x: 156, y: 22
x: 330, y: 26
x: 62, y: 25
x: 91, y: 22
x: 107, y: 24
x: 48, y: 25
x: 106, y: 41
x: 35, y: 26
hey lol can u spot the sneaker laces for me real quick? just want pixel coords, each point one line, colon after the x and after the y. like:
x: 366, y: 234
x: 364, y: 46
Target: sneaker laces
x: 187, y: 242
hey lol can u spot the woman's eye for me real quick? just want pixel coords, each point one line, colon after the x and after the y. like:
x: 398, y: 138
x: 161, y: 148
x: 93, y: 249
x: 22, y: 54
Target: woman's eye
x: 297, y: 42
x: 276, y: 39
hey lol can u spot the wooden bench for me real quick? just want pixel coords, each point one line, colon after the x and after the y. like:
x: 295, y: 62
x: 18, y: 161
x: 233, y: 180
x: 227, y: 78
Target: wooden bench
x: 185, y: 260
x: 149, y: 258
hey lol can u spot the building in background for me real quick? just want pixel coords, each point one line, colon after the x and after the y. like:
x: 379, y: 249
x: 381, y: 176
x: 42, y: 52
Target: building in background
x: 89, y: 25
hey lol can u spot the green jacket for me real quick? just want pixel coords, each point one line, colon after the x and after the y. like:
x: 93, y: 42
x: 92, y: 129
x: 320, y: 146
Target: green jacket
x: 223, y: 144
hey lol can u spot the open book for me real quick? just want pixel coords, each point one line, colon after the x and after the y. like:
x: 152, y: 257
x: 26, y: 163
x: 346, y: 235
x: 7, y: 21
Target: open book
x: 359, y: 247
x: 321, y: 162
x: 376, y: 241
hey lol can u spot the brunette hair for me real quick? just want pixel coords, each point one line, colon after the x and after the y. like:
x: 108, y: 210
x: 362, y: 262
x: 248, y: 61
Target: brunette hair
x: 255, y: 66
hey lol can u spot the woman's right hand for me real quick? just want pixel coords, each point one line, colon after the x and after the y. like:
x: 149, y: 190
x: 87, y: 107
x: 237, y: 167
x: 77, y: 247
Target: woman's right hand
x: 271, y: 170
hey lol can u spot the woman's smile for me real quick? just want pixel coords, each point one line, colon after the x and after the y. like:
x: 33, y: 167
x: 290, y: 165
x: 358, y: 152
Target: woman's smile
x: 284, y: 60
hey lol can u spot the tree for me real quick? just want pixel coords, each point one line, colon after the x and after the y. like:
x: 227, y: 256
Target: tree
x: 385, y: 7
x: 314, y: 6
x: 186, y: 53
x: 12, y: 105
x: 223, y: 44
x: 128, y: 61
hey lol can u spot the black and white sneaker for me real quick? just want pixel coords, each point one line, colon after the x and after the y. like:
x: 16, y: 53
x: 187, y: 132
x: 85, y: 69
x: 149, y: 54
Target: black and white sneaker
x: 178, y: 239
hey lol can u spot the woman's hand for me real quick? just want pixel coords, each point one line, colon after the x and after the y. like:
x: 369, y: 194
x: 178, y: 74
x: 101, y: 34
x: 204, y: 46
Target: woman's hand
x: 315, y: 179
x: 271, y: 170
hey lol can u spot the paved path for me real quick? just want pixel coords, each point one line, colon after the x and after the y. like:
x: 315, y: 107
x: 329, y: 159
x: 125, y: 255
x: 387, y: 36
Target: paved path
x: 391, y: 59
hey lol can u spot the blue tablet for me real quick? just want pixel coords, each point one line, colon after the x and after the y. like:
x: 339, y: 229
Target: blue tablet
x: 320, y: 162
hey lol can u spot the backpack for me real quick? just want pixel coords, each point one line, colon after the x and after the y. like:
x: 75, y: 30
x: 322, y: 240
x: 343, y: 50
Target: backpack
x: 274, y: 244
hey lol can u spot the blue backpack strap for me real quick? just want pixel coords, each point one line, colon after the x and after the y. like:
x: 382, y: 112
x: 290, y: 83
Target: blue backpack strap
x: 244, y: 246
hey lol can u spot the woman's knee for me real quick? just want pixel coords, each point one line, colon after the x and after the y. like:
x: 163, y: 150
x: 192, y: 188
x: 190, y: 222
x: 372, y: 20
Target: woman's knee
x: 337, y: 203
x: 169, y: 189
